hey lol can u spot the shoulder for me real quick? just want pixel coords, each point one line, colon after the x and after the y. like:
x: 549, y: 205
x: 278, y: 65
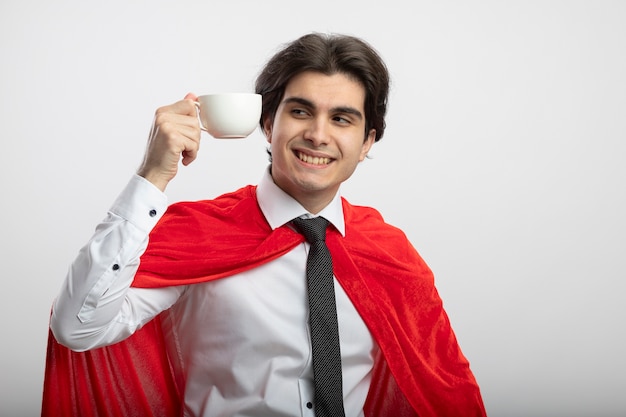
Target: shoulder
x: 224, y: 203
x: 369, y: 236
x: 367, y: 220
x: 230, y: 211
x: 366, y: 224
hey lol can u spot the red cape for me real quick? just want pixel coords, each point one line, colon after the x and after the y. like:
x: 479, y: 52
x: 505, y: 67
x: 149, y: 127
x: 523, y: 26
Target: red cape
x: 421, y: 369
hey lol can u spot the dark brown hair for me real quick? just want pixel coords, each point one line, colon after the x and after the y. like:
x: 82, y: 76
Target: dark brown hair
x: 328, y: 54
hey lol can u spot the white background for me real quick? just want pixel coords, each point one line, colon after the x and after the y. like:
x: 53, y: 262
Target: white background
x: 504, y: 162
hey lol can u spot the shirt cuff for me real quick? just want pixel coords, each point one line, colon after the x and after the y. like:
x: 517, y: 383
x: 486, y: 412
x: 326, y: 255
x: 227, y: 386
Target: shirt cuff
x: 140, y: 203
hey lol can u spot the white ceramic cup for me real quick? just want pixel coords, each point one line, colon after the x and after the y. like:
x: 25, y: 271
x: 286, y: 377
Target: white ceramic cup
x: 229, y: 115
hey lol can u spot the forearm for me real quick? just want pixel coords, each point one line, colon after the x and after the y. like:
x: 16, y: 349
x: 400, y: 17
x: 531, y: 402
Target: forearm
x: 96, y: 306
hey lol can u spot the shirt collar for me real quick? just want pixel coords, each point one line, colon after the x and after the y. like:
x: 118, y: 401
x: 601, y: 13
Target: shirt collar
x: 279, y: 208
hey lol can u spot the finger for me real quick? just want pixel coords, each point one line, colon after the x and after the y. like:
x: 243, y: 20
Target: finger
x: 191, y: 96
x: 185, y: 107
x: 189, y: 157
x: 191, y: 147
x: 190, y: 131
x: 173, y: 125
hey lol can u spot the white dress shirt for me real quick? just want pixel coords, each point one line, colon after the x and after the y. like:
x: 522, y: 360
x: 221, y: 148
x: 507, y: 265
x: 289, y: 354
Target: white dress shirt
x: 242, y: 343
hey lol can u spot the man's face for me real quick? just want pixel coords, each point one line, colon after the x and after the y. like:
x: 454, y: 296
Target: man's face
x: 317, y: 136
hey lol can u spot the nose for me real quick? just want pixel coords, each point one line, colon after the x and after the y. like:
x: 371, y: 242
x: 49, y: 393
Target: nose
x: 318, y: 132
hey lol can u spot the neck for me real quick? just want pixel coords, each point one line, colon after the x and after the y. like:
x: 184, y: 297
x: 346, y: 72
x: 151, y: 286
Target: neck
x: 315, y: 205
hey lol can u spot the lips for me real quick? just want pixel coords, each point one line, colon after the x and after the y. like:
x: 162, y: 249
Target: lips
x: 313, y: 160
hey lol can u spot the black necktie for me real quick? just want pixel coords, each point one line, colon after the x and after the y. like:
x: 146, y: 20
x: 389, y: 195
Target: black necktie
x: 327, y: 378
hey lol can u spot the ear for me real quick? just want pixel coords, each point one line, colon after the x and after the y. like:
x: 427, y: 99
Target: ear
x: 267, y: 129
x: 367, y: 144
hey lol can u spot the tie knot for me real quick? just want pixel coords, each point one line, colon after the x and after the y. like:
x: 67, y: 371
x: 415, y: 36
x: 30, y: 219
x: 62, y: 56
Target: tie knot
x: 314, y: 230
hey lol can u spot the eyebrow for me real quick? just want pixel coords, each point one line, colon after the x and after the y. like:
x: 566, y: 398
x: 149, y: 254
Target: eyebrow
x: 310, y: 104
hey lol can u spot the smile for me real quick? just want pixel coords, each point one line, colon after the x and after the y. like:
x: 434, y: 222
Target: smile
x: 313, y: 160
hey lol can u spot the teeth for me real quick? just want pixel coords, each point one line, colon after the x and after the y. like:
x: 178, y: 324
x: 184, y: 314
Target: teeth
x: 313, y: 159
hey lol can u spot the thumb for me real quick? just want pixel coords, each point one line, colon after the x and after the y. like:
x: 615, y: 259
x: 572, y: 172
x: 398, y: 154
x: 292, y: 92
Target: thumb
x: 191, y: 96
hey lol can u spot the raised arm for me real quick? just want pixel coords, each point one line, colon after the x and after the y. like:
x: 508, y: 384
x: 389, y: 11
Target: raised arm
x: 97, y: 305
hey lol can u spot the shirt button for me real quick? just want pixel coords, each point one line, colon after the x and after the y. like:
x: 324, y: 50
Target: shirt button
x: 309, y: 405
x: 152, y: 213
x: 116, y: 267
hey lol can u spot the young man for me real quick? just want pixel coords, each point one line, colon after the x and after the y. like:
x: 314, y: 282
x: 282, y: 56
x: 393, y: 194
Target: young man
x: 209, y: 299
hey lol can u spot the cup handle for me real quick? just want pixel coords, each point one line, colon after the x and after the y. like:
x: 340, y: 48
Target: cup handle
x: 197, y: 103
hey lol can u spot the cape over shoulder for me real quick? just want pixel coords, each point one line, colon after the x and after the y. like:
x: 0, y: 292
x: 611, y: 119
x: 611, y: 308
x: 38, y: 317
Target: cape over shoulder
x: 367, y: 234
x: 393, y: 289
x: 209, y: 239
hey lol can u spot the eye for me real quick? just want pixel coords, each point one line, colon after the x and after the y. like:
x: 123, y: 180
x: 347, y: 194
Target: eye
x: 298, y: 112
x: 342, y: 120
